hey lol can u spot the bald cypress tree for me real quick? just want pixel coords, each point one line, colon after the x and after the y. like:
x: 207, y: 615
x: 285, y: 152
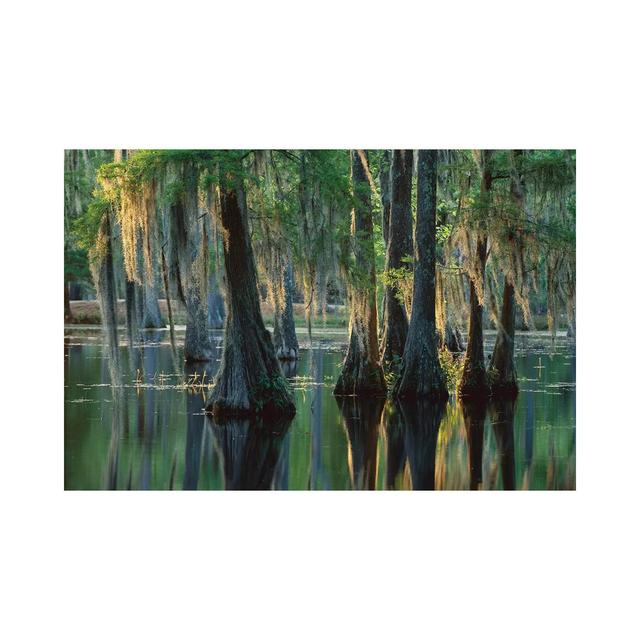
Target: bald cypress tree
x: 249, y: 380
x: 399, y: 245
x: 361, y: 371
x: 474, y: 375
x: 420, y: 373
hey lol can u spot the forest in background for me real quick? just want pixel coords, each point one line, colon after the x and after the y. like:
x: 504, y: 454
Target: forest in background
x: 422, y: 251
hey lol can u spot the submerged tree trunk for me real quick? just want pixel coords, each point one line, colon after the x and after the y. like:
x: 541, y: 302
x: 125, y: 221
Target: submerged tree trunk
x: 474, y: 376
x: 399, y: 245
x: 284, y: 331
x: 361, y: 371
x: 421, y: 374
x: 249, y: 379
x: 502, y: 371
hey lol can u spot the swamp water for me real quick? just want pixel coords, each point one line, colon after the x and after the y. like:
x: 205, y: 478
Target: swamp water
x: 151, y: 432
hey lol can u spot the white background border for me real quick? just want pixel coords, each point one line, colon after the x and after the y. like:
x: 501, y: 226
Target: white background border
x: 332, y: 74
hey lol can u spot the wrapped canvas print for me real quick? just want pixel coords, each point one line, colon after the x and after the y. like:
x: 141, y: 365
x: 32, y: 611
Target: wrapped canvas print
x: 320, y: 319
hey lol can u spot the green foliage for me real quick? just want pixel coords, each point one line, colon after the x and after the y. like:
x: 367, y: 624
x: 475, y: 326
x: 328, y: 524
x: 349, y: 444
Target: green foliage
x: 452, y: 367
x: 392, y: 371
x: 274, y: 390
x: 400, y: 279
x: 85, y: 228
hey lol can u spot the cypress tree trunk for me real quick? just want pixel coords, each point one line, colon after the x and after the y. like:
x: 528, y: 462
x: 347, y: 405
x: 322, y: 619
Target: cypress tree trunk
x: 284, y: 333
x: 571, y: 307
x: 361, y: 419
x: 67, y: 305
x: 452, y: 339
x: 474, y: 376
x: 502, y: 371
x: 361, y: 371
x: 132, y: 296
x: 104, y: 279
x: 385, y: 193
x: 385, y: 197
x: 151, y: 316
x: 249, y: 380
x: 399, y: 245
x: 420, y: 374
x: 194, y: 271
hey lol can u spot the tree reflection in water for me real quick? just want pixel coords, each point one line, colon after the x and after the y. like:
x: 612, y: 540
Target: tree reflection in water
x: 420, y: 425
x: 249, y: 449
x: 361, y: 420
x: 501, y: 414
x: 474, y: 413
x: 396, y: 457
x: 195, y: 424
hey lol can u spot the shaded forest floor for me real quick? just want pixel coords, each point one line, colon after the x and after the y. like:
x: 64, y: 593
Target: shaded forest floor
x: 87, y: 312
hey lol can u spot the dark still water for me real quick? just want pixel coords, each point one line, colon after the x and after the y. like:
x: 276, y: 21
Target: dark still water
x: 151, y: 432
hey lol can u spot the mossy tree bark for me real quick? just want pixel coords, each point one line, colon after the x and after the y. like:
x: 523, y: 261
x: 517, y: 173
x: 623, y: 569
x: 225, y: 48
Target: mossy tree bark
x: 502, y: 371
x: 399, y: 245
x: 474, y: 376
x: 284, y: 328
x: 420, y: 373
x: 361, y: 371
x: 249, y: 380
